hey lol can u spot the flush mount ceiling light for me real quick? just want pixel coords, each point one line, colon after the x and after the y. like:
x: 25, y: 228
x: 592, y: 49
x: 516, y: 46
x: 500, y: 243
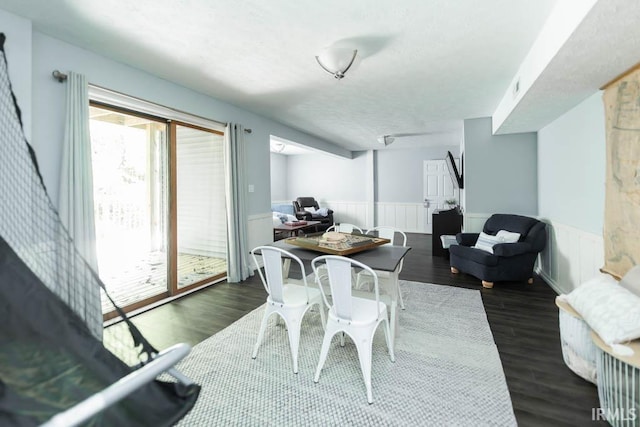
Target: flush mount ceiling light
x: 336, y: 60
x: 277, y: 147
x: 386, y: 139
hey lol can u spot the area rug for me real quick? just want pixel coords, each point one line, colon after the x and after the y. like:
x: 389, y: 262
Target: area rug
x: 447, y: 371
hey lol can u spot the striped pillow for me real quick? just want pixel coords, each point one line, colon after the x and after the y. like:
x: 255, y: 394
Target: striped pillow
x: 609, y: 309
x: 486, y: 241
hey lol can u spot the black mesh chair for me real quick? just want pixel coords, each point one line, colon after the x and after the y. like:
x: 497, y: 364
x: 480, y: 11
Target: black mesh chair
x: 509, y: 261
x: 301, y: 203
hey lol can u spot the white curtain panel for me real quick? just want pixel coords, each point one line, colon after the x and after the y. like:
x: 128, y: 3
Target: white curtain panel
x: 238, y: 266
x: 76, y: 178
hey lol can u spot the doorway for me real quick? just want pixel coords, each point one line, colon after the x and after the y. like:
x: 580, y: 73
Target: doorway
x: 437, y: 188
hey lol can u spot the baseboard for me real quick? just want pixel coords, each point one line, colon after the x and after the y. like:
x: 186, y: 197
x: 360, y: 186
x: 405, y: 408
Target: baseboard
x: 552, y: 283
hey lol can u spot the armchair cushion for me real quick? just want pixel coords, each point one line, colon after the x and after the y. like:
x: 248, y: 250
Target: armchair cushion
x: 511, y: 249
x: 474, y: 254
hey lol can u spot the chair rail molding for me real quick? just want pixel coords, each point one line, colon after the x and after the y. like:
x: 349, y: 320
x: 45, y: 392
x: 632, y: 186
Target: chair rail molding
x: 572, y: 256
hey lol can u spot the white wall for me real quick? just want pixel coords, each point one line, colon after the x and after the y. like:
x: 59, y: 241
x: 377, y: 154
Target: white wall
x: 328, y: 177
x: 571, y: 178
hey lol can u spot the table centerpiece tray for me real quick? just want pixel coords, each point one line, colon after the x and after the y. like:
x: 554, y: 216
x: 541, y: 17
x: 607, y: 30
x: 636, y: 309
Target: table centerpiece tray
x: 332, y: 244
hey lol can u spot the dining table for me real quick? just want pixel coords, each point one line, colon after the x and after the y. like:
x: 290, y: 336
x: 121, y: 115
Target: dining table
x: 385, y: 261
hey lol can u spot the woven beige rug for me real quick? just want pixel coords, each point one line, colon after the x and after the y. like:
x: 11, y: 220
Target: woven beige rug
x: 447, y: 371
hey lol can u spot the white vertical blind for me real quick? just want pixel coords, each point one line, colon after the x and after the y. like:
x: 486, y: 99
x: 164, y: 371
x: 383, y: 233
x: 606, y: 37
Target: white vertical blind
x: 201, y: 216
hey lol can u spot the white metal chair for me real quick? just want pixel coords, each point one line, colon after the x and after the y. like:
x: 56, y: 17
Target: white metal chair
x: 357, y: 317
x: 345, y: 227
x: 385, y: 233
x: 288, y: 300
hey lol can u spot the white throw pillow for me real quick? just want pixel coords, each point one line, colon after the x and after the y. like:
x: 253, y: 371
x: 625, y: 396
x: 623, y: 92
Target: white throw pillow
x: 609, y: 309
x: 486, y: 241
x: 507, y: 236
x: 631, y: 280
x: 310, y: 209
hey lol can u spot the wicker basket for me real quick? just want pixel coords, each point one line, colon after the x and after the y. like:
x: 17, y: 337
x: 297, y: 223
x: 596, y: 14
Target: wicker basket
x: 578, y: 349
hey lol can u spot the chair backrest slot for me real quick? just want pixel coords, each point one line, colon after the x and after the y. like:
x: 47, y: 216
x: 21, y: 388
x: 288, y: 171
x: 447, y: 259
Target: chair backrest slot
x: 273, y: 271
x: 339, y: 272
x: 273, y: 279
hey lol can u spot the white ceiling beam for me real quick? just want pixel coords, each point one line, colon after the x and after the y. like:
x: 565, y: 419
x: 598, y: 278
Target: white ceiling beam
x: 564, y: 19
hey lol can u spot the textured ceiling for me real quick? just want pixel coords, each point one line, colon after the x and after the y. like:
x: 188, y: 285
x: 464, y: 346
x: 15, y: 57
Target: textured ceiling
x: 423, y: 65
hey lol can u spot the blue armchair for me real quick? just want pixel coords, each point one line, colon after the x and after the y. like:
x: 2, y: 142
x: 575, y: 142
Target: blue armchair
x: 509, y: 261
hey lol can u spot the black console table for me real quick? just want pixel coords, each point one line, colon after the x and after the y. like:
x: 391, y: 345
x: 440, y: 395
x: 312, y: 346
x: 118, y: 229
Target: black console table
x: 444, y: 222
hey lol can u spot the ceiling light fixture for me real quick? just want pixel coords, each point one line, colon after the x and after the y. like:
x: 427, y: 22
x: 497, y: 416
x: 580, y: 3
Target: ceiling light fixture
x: 336, y: 60
x: 277, y: 147
x: 386, y: 139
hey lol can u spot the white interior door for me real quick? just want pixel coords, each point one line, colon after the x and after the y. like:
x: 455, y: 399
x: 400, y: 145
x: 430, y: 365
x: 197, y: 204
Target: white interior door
x: 437, y: 187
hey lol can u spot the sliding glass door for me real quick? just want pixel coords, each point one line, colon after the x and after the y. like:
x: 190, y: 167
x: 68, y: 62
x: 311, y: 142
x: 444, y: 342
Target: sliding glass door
x: 200, y: 209
x: 159, y: 206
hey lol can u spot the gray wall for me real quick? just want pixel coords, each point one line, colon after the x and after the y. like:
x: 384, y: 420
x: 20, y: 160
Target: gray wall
x: 571, y: 167
x: 328, y: 177
x: 279, y: 177
x: 49, y: 106
x: 398, y: 173
x: 18, y: 51
x: 500, y: 171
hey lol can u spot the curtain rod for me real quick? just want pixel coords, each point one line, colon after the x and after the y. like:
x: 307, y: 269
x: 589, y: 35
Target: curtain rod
x: 62, y: 77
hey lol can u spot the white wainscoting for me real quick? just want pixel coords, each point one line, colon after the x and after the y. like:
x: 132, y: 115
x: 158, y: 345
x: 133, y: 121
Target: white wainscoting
x: 260, y: 229
x: 408, y: 217
x: 351, y: 212
x: 572, y: 256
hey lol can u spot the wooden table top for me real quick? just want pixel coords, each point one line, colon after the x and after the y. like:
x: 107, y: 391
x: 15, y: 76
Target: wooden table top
x: 351, y: 244
x: 381, y: 258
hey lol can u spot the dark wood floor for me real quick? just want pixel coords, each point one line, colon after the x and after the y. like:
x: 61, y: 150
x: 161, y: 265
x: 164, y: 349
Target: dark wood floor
x: 523, y: 319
